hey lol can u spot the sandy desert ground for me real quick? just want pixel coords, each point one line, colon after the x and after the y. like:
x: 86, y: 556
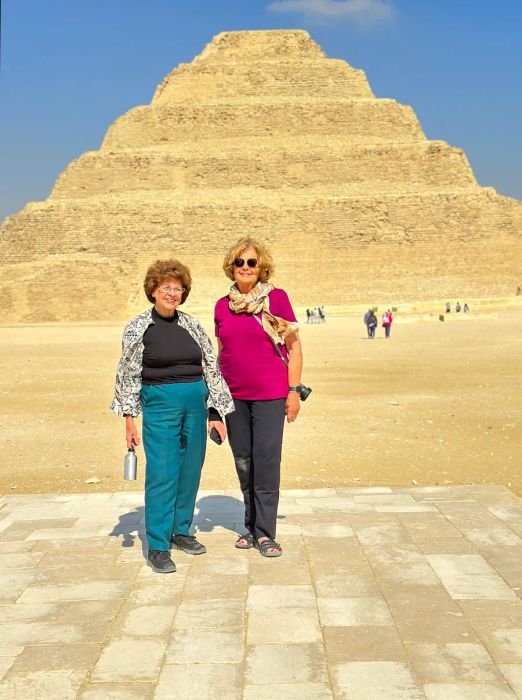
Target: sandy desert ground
x: 437, y: 403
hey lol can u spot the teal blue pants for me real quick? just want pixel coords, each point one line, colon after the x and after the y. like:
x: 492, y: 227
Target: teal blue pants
x: 174, y: 439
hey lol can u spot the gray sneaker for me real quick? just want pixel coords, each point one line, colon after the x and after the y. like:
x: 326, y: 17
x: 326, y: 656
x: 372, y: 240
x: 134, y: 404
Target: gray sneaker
x: 188, y: 544
x: 160, y: 561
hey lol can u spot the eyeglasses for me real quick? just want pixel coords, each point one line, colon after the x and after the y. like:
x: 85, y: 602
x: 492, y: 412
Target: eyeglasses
x: 251, y: 262
x: 171, y: 290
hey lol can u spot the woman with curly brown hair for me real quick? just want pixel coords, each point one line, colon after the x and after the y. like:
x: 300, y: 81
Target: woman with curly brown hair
x: 168, y: 371
x: 260, y: 357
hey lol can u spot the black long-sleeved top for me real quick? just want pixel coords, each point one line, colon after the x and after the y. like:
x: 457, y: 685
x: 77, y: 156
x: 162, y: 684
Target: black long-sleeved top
x: 170, y: 354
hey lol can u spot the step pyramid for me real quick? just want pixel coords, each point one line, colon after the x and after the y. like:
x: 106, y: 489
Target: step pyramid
x: 262, y: 134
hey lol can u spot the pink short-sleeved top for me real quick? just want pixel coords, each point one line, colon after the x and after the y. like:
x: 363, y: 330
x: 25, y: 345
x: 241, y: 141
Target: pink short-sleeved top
x: 250, y: 364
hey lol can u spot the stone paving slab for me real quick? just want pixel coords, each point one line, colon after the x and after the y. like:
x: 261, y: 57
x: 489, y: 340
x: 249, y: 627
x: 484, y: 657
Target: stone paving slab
x: 392, y: 593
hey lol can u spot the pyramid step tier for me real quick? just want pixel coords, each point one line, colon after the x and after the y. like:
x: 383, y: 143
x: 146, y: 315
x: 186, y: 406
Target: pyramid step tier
x: 165, y: 221
x: 292, y: 146
x: 375, y: 120
x: 380, y: 169
x: 202, y: 82
x: 254, y: 46
x: 312, y: 268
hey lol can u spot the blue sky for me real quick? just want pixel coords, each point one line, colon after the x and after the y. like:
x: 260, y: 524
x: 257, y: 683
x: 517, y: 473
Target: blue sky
x: 70, y: 67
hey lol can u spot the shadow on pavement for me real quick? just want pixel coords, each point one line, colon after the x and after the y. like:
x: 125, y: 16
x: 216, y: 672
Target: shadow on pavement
x: 219, y: 511
x: 130, y: 526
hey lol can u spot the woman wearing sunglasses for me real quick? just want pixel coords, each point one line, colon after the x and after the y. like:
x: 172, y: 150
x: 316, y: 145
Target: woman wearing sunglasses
x: 168, y: 371
x: 252, y: 321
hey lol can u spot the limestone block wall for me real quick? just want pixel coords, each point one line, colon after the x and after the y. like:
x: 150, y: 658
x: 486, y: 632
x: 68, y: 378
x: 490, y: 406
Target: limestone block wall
x: 262, y: 134
x: 254, y: 46
x: 398, y: 239
x: 363, y: 120
x: 389, y: 167
x: 268, y: 79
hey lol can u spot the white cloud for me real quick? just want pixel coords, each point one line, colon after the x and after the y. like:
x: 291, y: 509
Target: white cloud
x: 363, y: 12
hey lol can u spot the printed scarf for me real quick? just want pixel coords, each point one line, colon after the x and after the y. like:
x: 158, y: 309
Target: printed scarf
x: 256, y: 301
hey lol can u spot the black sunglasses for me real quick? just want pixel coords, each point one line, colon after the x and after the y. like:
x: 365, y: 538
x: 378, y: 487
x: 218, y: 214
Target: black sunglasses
x: 251, y: 262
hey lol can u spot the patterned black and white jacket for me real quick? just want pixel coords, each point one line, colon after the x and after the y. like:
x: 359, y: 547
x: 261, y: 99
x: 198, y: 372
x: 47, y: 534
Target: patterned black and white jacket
x: 128, y: 375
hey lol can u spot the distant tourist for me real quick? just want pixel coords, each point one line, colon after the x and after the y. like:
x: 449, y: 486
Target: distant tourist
x: 314, y: 315
x: 466, y: 308
x: 366, y: 320
x: 372, y: 324
x: 308, y: 314
x: 457, y: 307
x: 322, y: 314
x: 168, y: 371
x: 448, y: 307
x: 256, y: 327
x: 519, y: 291
x: 387, y: 320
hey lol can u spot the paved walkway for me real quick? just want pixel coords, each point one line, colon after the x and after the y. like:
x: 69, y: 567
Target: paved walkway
x: 387, y: 593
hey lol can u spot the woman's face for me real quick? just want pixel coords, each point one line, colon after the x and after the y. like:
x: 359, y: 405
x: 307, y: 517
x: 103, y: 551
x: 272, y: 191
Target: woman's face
x: 245, y: 276
x: 167, y: 296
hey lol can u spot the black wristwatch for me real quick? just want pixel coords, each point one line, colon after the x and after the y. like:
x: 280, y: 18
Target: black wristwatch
x: 295, y: 388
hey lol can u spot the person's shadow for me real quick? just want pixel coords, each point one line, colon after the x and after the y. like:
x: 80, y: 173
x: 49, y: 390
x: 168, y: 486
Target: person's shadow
x: 131, y: 527
x: 210, y: 512
x: 219, y: 511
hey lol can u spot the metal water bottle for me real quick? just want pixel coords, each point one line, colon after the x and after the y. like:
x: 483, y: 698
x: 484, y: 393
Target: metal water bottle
x: 130, y: 465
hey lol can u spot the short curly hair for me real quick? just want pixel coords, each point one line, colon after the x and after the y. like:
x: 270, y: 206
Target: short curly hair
x: 266, y: 263
x: 162, y: 270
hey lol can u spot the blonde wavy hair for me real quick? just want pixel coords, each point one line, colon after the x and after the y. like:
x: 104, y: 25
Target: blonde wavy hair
x: 265, y: 262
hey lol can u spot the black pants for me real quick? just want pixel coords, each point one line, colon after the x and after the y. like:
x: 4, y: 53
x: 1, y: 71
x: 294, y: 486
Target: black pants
x: 255, y: 432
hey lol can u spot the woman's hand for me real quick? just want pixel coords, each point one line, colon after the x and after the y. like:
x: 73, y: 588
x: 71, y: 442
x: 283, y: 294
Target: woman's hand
x: 220, y: 427
x: 292, y: 406
x: 131, y: 433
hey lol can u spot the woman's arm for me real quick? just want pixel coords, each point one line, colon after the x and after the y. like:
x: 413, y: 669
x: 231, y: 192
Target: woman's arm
x: 215, y: 421
x: 295, y: 366
x: 126, y: 400
x: 127, y: 386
